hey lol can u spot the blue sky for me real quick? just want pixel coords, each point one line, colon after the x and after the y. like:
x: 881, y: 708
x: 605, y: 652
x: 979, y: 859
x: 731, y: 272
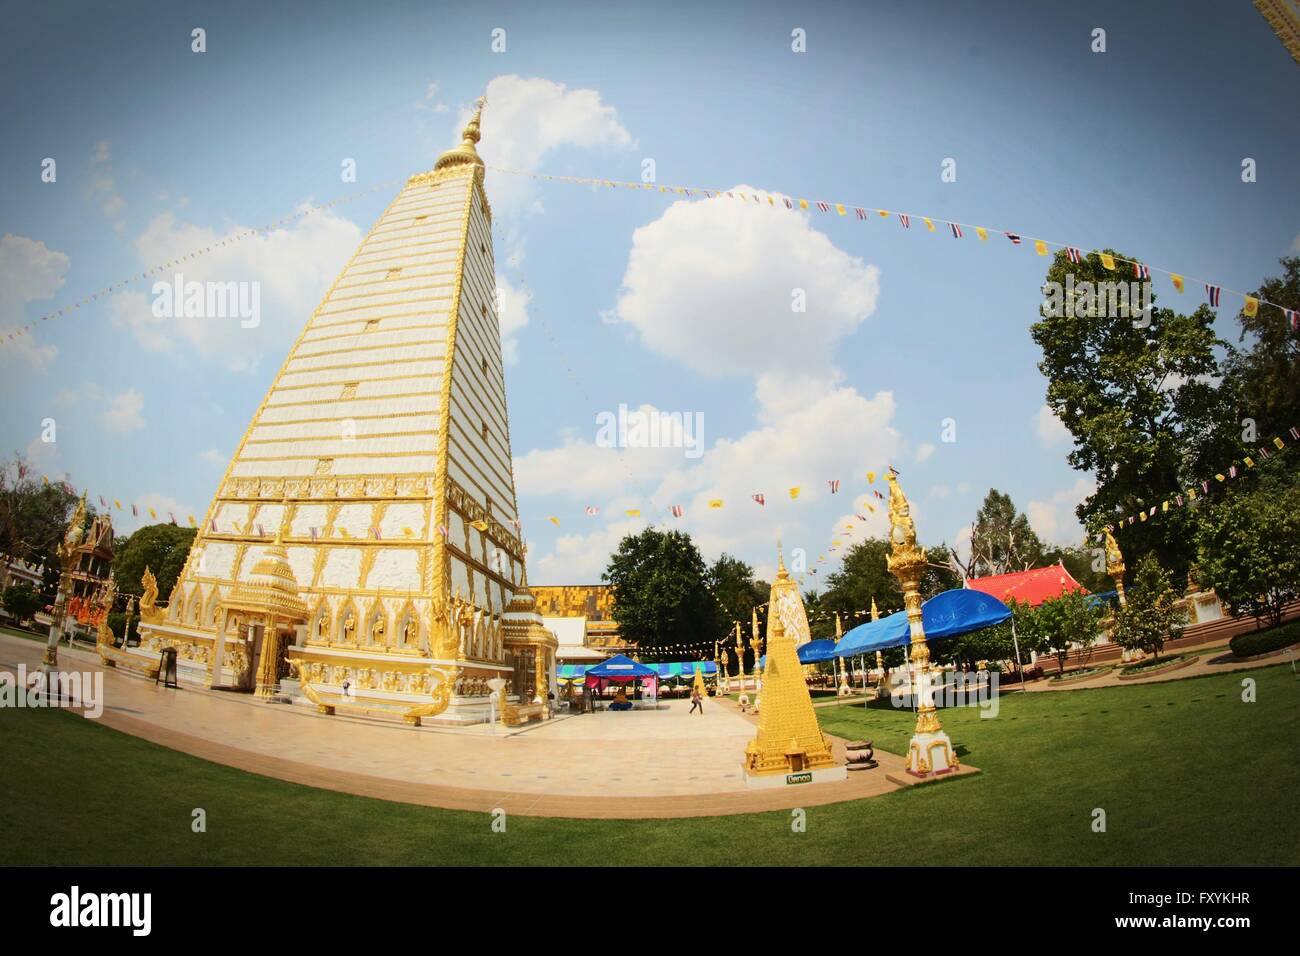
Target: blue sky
x: 616, y: 297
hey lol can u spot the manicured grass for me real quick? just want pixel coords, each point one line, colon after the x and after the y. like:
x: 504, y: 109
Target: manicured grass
x: 1186, y: 772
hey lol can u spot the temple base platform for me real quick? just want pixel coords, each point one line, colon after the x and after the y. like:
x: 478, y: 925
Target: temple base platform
x: 770, y: 781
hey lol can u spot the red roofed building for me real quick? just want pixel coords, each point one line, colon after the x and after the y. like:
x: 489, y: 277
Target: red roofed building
x: 1032, y: 587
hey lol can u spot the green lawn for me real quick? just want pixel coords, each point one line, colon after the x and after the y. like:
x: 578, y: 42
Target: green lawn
x: 1186, y: 772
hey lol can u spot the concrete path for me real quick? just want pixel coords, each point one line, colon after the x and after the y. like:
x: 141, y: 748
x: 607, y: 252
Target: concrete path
x: 664, y: 763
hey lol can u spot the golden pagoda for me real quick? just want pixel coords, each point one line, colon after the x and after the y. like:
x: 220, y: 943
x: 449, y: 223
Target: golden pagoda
x: 790, y: 747
x: 382, y: 452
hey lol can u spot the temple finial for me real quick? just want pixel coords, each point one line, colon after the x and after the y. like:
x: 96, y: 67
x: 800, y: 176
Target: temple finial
x: 465, y: 153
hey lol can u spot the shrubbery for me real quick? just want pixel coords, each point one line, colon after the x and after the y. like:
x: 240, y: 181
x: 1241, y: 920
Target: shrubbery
x: 1261, y: 642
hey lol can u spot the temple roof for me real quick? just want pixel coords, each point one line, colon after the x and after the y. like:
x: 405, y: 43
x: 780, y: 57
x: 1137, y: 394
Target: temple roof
x: 1032, y: 587
x: 271, y: 587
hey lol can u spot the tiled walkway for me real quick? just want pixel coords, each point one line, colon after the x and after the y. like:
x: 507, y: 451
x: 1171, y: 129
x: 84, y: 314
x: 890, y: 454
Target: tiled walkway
x: 661, y: 763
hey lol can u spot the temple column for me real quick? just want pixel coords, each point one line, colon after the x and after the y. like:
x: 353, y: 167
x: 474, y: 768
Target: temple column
x: 930, y: 751
x: 268, y: 665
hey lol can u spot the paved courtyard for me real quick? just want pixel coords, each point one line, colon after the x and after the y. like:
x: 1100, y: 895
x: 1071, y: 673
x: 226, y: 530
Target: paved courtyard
x: 665, y: 762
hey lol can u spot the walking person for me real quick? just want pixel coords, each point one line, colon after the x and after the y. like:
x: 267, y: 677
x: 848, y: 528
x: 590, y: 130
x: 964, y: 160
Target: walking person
x: 696, y: 702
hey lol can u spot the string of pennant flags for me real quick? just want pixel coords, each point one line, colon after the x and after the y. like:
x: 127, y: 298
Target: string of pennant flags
x: 957, y: 230
x: 162, y: 267
x: 1190, y: 495
x: 716, y: 504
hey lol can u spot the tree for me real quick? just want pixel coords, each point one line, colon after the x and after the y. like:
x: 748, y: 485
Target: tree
x: 1065, y: 623
x: 34, y: 516
x: 660, y: 587
x: 862, y: 575
x: 21, y: 601
x: 1249, y: 546
x: 1264, y: 378
x: 1150, y: 615
x: 1138, y: 393
x: 162, y: 548
x: 1002, y: 539
x: 736, y: 594
x: 1086, y: 565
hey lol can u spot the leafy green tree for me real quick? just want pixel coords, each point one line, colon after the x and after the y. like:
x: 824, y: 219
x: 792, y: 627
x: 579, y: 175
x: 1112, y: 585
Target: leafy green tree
x: 1139, y: 394
x: 661, y: 593
x: 21, y: 601
x: 34, y: 517
x: 1002, y: 539
x: 1086, y: 565
x: 1065, y: 623
x: 1249, y: 546
x: 736, y: 592
x: 160, y: 547
x: 862, y: 575
x: 1265, y: 378
x: 1150, y: 615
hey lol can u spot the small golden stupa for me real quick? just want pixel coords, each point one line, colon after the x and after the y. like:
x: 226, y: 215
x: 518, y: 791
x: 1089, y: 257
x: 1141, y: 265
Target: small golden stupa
x: 790, y: 747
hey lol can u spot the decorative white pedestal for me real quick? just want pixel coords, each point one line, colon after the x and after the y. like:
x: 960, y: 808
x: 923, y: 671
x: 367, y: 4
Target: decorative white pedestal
x: 930, y: 754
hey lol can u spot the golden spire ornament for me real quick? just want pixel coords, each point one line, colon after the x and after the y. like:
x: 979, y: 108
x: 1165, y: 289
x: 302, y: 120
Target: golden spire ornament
x: 930, y: 751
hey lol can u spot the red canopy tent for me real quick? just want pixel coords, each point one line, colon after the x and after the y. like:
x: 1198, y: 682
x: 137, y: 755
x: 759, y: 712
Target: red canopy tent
x: 1033, y: 587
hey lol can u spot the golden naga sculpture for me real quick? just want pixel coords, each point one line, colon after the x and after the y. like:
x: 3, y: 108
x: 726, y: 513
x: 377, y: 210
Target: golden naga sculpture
x: 149, y: 612
x: 76, y: 533
x: 1114, y: 557
x: 902, y: 530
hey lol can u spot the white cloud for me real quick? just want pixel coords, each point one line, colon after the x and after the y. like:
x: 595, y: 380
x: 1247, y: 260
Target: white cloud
x: 1055, y: 520
x: 712, y: 284
x: 512, y: 316
x: 29, y: 271
x: 804, y: 433
x: 122, y: 413
x: 212, y: 457
x: 431, y: 103
x: 1048, y: 428
x: 526, y: 118
x: 294, y: 265
x: 101, y: 187
x: 924, y: 451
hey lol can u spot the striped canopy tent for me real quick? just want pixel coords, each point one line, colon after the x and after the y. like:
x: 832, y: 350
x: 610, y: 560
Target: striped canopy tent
x: 683, y: 669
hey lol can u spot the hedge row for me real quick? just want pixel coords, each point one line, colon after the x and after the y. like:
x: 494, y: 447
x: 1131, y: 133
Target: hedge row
x: 1261, y: 642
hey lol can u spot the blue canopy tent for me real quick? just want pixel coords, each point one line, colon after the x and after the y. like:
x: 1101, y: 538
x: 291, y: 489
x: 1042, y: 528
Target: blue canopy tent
x: 619, y: 668
x: 814, y: 652
x: 949, y: 614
